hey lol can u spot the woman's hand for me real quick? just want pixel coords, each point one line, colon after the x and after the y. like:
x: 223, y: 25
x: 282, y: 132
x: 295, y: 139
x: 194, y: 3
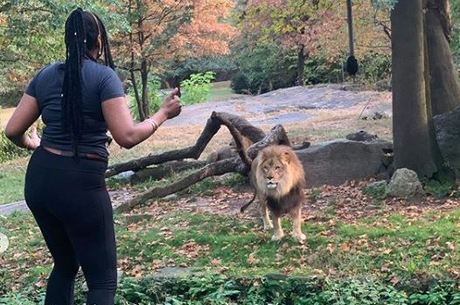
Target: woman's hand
x: 171, y: 106
x: 34, y: 139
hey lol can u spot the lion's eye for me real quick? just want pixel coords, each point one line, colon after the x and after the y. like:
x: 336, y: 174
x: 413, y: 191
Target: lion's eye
x: 278, y: 167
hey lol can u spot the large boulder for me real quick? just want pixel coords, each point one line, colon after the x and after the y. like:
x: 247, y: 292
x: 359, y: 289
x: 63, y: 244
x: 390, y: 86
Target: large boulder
x: 338, y: 161
x: 447, y: 126
x: 405, y: 184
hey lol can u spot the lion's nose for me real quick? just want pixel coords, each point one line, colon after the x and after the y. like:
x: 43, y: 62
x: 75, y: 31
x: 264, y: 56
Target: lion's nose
x: 269, y: 177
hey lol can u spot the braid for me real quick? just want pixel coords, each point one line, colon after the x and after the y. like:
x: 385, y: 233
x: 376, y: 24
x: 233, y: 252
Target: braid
x: 105, y: 45
x: 81, y: 32
x: 75, y: 39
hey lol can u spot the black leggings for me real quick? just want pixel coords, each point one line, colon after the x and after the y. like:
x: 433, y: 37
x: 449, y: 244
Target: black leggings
x: 71, y: 205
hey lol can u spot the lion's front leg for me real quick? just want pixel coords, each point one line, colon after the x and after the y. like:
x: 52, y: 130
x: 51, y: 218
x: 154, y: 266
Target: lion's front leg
x: 278, y: 234
x: 297, y: 225
x: 264, y: 214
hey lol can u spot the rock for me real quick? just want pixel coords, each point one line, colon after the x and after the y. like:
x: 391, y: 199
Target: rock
x: 361, y: 136
x: 405, y: 184
x: 338, y: 161
x: 447, y: 127
x: 171, y: 197
x: 124, y: 177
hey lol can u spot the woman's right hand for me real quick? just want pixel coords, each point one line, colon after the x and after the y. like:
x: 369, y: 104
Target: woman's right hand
x: 171, y: 106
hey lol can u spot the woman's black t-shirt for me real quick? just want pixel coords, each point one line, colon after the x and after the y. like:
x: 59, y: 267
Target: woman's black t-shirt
x: 100, y: 83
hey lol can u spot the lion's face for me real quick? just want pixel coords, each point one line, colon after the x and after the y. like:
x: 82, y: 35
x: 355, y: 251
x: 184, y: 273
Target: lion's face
x: 273, y: 171
x: 277, y: 170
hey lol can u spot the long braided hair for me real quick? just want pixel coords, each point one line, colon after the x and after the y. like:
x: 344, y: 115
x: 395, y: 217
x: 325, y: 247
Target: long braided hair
x: 84, y: 32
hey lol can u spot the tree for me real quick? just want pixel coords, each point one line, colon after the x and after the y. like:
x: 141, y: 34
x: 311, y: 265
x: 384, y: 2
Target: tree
x: 166, y: 30
x: 32, y: 35
x: 295, y: 24
x: 418, y: 82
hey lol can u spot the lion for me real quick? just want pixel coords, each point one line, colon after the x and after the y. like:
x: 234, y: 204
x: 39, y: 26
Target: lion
x: 278, y: 178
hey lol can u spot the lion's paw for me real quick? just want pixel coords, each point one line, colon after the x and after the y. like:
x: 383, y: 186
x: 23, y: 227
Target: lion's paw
x: 268, y: 226
x: 277, y: 237
x: 300, y: 237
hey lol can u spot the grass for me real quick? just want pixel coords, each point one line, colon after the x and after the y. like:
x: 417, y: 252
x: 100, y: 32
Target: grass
x: 12, y: 181
x: 221, y: 91
x: 396, y: 248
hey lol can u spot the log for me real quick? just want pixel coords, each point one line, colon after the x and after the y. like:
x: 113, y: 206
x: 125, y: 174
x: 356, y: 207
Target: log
x: 233, y: 122
x: 213, y: 169
x: 167, y: 169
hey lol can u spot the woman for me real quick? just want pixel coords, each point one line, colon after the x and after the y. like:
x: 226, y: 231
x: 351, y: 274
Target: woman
x: 65, y: 188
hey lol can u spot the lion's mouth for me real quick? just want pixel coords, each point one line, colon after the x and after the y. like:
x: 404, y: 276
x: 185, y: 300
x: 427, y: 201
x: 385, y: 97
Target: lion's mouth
x: 271, y: 185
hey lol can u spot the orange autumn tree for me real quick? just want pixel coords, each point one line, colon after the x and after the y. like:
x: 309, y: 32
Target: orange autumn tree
x: 158, y: 31
x: 316, y: 28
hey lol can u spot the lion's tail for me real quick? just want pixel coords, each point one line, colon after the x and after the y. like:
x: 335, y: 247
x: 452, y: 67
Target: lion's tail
x: 244, y: 207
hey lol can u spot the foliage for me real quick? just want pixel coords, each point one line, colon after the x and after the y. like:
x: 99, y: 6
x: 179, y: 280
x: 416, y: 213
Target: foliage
x: 375, y: 67
x: 155, y: 97
x: 8, y: 150
x: 263, y: 68
x: 32, y: 35
x: 161, y: 32
x: 455, y: 42
x: 223, y: 66
x: 196, y: 89
x: 212, y: 289
x: 319, y: 71
x: 377, y: 191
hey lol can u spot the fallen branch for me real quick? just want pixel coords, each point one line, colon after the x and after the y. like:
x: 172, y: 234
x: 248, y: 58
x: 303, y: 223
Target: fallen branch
x: 213, y: 169
x: 233, y: 122
x: 277, y: 136
x: 167, y: 169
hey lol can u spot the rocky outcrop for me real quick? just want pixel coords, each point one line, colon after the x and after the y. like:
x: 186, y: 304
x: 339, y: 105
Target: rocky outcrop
x: 338, y: 161
x: 447, y: 126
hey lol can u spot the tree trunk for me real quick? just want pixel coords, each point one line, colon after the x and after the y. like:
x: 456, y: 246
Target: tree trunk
x: 301, y: 65
x: 413, y: 141
x: 145, y: 87
x: 444, y: 82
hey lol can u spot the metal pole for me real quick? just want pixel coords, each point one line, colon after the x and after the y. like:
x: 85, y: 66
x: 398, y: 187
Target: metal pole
x: 350, y: 28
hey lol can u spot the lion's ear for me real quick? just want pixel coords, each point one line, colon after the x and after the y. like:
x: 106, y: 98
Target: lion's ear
x: 287, y: 157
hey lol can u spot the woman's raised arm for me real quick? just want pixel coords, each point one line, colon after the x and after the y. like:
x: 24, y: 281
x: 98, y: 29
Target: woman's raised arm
x: 122, y: 126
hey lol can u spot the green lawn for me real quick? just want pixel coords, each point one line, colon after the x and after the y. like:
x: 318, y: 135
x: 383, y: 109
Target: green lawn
x: 11, y: 183
x: 221, y: 91
x: 387, y: 246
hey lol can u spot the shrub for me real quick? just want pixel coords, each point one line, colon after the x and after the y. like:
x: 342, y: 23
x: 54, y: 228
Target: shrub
x: 8, y: 150
x: 155, y: 97
x: 196, y: 89
x: 264, y: 68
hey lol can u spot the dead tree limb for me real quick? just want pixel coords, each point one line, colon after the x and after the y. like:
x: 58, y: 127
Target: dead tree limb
x: 277, y: 136
x: 213, y: 169
x: 163, y: 170
x: 232, y: 122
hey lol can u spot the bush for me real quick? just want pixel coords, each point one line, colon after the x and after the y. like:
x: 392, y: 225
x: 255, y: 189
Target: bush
x: 375, y: 67
x: 197, y: 88
x: 223, y: 66
x: 8, y: 150
x: 319, y: 71
x: 264, y: 68
x: 275, y: 290
x: 155, y: 97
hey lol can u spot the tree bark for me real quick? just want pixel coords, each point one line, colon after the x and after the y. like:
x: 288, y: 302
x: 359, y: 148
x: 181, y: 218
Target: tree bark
x: 444, y: 81
x: 301, y: 65
x: 413, y: 141
x: 145, y: 88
